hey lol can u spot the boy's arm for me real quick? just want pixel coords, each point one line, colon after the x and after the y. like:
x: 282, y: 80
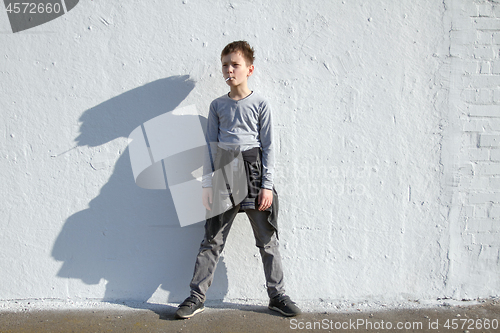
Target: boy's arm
x: 266, y: 140
x: 211, y: 137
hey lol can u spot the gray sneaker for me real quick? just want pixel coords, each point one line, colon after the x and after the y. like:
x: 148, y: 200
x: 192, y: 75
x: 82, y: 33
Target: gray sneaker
x: 191, y: 306
x: 284, y: 305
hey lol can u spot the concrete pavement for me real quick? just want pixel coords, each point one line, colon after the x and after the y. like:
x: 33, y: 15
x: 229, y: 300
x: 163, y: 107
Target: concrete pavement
x: 483, y: 316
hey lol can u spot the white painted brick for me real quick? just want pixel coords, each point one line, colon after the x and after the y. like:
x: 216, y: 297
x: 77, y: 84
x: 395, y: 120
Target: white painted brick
x: 481, y: 81
x: 462, y: 23
x: 475, y: 125
x: 496, y: 95
x: 485, y: 67
x: 481, y: 211
x: 483, y: 226
x: 462, y: 51
x: 471, y: 140
x: 496, y: 10
x: 495, y: 155
x: 496, y: 38
x: 485, y: 10
x: 482, y: 198
x: 489, y: 140
x: 485, y: 96
x: 490, y: 238
x: 464, y: 37
x: 494, y: 212
x: 489, y: 254
x: 484, y: 110
x: 484, y: 52
x: 466, y: 8
x: 479, y: 154
x: 469, y: 95
x: 494, y: 183
x: 484, y: 37
x: 489, y: 169
x: 493, y: 124
x: 486, y: 23
x: 470, y: 67
x: 495, y: 67
x: 479, y: 183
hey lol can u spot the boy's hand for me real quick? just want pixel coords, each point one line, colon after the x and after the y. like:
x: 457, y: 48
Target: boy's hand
x: 265, y: 199
x: 207, y: 197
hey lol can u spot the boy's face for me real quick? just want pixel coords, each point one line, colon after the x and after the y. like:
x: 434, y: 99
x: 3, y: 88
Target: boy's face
x: 234, y: 66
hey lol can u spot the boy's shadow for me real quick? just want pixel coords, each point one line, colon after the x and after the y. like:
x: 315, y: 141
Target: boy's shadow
x: 130, y: 236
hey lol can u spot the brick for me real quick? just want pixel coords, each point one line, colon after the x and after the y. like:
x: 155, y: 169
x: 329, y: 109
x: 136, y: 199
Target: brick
x: 494, y: 212
x: 479, y: 154
x: 464, y: 37
x: 484, y: 110
x: 490, y: 169
x: 479, y: 183
x: 481, y: 211
x: 494, y: 183
x: 485, y: 10
x: 484, y: 37
x: 496, y: 95
x: 489, y: 140
x: 475, y: 125
x: 482, y: 198
x: 486, y: 23
x: 495, y: 155
x: 469, y: 95
x: 493, y: 124
x: 484, y: 52
x: 489, y: 254
x: 485, y: 67
x: 483, y: 226
x: 462, y: 51
x: 485, y: 96
x: 496, y: 10
x: 470, y: 67
x: 495, y: 67
x: 481, y: 81
x: 462, y: 23
x: 490, y: 238
x: 496, y: 38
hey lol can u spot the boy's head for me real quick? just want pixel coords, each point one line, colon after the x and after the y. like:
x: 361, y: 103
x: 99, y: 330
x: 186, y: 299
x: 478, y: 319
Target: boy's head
x: 240, y: 46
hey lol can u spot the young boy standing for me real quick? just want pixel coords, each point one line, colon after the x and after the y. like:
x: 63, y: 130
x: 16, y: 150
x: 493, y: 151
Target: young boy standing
x: 240, y: 124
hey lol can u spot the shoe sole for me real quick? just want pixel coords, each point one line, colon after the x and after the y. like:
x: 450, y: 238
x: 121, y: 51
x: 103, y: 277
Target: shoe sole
x: 283, y: 313
x: 192, y: 314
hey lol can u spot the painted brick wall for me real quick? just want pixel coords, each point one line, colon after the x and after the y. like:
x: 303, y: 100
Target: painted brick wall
x: 388, y: 135
x: 473, y: 162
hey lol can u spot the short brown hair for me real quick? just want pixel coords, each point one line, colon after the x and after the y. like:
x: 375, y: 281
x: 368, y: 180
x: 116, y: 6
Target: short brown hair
x: 241, y: 46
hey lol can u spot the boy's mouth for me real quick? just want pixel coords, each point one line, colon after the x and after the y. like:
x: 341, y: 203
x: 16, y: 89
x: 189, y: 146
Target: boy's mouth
x: 229, y: 78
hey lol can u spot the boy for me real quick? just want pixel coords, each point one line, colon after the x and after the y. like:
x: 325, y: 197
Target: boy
x: 240, y: 125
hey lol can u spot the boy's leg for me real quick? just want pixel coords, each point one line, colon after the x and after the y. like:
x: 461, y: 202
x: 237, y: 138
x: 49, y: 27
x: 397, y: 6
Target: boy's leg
x: 208, y: 256
x: 266, y: 241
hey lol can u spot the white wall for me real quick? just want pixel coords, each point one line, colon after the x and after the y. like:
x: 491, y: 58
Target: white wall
x: 375, y: 113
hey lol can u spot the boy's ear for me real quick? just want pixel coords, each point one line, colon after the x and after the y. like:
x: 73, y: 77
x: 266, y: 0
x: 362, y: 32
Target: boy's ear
x: 250, y: 70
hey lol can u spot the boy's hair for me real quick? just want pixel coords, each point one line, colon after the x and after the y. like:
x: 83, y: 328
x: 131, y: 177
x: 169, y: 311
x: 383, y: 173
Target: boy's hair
x: 241, y: 46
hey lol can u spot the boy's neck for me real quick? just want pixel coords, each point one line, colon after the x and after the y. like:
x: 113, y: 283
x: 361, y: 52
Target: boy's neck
x: 239, y: 92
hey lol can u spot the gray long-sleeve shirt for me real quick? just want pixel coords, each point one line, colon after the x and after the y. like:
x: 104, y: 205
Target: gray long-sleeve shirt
x: 245, y: 124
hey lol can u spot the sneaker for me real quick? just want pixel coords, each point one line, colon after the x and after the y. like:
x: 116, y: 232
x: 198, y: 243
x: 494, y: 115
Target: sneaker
x: 284, y: 305
x: 191, y: 306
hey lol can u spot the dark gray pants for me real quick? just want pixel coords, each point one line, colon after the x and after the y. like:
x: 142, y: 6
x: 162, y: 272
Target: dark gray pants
x: 266, y: 241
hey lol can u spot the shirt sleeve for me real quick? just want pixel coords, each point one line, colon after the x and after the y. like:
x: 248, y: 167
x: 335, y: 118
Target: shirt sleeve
x: 266, y: 139
x: 211, y: 137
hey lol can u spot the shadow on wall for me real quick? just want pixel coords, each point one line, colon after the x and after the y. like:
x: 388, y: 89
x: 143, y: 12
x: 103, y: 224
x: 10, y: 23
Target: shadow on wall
x: 130, y: 236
